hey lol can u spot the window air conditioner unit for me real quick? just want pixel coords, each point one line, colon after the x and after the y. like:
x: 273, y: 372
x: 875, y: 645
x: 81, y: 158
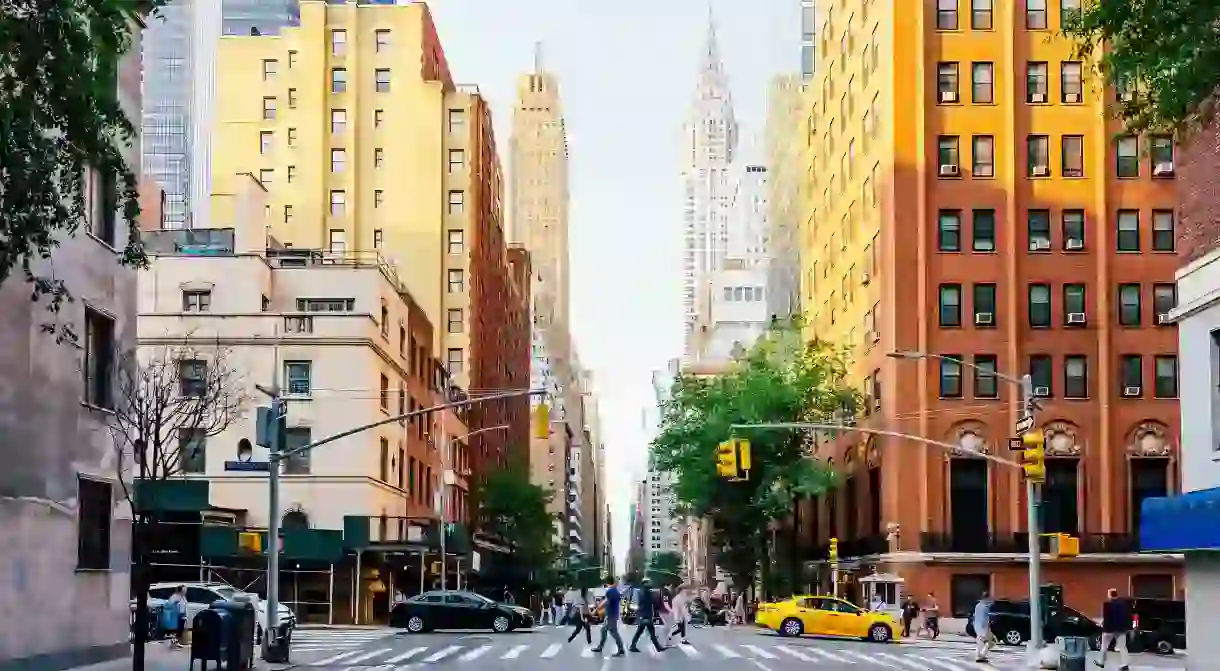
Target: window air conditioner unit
x: 865, y: 279
x: 1163, y: 318
x: 948, y: 96
x: 1073, y: 244
x: 1040, y: 244
x: 1037, y: 97
x: 1163, y: 169
x: 948, y: 170
x: 1131, y: 391
x: 1126, y: 96
x: 1042, y: 171
x: 1042, y: 391
x: 1071, y: 97
x: 1075, y: 317
x: 984, y: 318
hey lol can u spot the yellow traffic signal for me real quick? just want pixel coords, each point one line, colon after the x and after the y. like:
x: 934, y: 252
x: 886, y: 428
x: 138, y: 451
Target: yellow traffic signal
x: 1033, y: 457
x: 250, y: 541
x: 726, y: 459
x: 834, y: 549
x: 743, y: 454
x: 542, y: 421
x: 1065, y: 545
x: 436, y: 568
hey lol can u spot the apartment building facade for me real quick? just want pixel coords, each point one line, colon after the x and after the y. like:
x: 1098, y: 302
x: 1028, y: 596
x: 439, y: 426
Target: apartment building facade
x: 969, y: 200
x: 63, y: 513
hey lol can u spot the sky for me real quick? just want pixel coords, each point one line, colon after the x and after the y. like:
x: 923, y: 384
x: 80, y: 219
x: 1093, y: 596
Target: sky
x: 627, y: 73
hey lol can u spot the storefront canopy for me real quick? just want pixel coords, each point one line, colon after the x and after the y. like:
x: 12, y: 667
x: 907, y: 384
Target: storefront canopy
x: 1184, y: 523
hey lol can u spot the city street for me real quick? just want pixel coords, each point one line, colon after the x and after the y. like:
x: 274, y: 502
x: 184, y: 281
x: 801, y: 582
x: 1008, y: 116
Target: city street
x: 392, y: 650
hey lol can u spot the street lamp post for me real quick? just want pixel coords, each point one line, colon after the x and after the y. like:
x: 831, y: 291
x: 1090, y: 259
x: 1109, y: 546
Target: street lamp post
x: 447, y: 475
x: 1033, y: 493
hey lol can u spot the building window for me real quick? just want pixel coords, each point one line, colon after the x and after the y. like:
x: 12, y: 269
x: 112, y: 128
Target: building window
x: 983, y: 156
x: 292, y: 99
x: 338, y: 42
x: 1129, y: 308
x: 1038, y: 225
x: 270, y: 68
x: 266, y: 176
x: 338, y: 122
x: 268, y: 108
x: 949, y: 231
x: 1164, y: 300
x: 266, y: 142
x: 986, y: 384
x: 1040, y: 371
x: 337, y: 241
x: 1069, y: 10
x: 457, y: 160
x: 1131, y: 375
x: 287, y: 214
x: 292, y: 137
x: 950, y: 305
x: 338, y: 159
x: 1039, y: 305
x: 1035, y: 14
x: 298, y: 375
x: 947, y: 155
x: 946, y: 82
x: 980, y: 14
x: 951, y: 376
x: 101, y: 204
x: 983, y: 231
x: 94, y: 514
x: 378, y: 238
x: 1127, y: 151
x: 457, y: 201
x: 1074, y: 304
x: 1165, y: 384
x: 1161, y: 153
x: 381, y: 40
x: 192, y: 378
x: 338, y: 80
x: 382, y: 80
x: 292, y: 173
x: 99, y: 359
x: 1162, y: 231
x: 457, y: 280
x: 1075, y: 376
x: 1073, y: 155
x: 385, y: 392
x: 378, y: 198
x: 984, y: 295
x: 456, y: 242
x: 196, y: 301
x: 1038, y: 149
x: 192, y: 451
x: 378, y: 157
x: 946, y: 14
x: 1072, y: 78
x: 457, y: 119
x: 1035, y: 82
x: 454, y: 361
x: 982, y: 81
x: 1128, y: 238
x: 378, y: 118
x: 338, y: 203
x: 1061, y: 502
x: 455, y: 321
x: 294, y: 437
x: 1073, y: 230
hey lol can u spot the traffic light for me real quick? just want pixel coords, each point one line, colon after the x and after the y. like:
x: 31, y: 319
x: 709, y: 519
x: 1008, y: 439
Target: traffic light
x: 726, y: 459
x: 542, y: 421
x: 743, y: 456
x: 1064, y: 545
x: 1033, y: 457
x: 250, y: 541
x: 834, y: 550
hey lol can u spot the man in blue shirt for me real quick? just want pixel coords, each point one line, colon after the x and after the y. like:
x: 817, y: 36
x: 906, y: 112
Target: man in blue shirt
x: 611, y: 612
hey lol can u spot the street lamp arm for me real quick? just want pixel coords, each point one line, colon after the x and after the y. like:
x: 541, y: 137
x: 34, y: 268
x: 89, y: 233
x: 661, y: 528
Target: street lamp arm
x: 500, y: 427
x: 915, y: 356
x: 876, y: 432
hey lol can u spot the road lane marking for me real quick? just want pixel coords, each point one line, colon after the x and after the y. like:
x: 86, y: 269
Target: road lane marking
x: 551, y: 650
x: 606, y: 664
x: 941, y: 663
x: 902, y: 660
x: 406, y: 655
x: 863, y: 657
x: 828, y: 655
x: 727, y: 652
x: 475, y: 654
x: 759, y: 664
x: 689, y: 650
x: 368, y: 655
x: 339, y: 657
x: 515, y: 652
x: 438, y: 656
x: 759, y: 651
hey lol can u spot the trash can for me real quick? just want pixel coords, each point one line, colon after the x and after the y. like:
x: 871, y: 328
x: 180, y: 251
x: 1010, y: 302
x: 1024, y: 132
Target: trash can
x: 278, y: 644
x: 209, y: 637
x: 238, y: 639
x: 1073, y: 652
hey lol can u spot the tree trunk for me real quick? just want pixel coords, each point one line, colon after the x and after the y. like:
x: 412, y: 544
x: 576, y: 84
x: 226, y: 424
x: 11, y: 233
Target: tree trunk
x: 139, y: 591
x: 764, y: 562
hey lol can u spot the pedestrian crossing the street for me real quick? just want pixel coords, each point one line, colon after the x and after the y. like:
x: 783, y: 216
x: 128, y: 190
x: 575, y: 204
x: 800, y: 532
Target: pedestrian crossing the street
x: 310, y: 640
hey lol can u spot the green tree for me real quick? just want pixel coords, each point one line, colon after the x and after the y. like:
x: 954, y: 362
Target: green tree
x: 509, y: 504
x: 781, y: 379
x: 1165, y: 53
x: 60, y: 115
x: 665, y: 568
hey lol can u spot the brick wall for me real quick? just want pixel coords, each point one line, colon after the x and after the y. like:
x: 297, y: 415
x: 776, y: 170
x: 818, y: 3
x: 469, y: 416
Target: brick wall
x: 1198, y: 185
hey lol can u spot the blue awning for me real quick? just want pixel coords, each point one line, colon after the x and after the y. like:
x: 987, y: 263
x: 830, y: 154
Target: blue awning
x: 1185, y: 523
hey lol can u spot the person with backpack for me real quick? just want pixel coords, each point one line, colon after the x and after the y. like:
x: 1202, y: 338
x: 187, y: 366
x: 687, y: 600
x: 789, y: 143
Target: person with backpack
x: 646, y: 613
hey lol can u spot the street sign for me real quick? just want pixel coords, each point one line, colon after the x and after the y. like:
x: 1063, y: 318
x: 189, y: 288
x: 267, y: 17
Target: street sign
x: 248, y: 466
x: 1016, y: 444
x: 1024, y: 425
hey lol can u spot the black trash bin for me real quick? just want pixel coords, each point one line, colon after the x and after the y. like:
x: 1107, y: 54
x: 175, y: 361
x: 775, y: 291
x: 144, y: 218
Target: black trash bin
x: 210, y: 637
x: 278, y: 643
x: 239, y: 635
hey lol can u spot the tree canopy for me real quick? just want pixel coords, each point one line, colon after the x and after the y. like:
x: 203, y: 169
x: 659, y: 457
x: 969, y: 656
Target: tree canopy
x: 665, y: 568
x: 780, y: 379
x: 60, y: 115
x: 516, y: 508
x: 1165, y: 53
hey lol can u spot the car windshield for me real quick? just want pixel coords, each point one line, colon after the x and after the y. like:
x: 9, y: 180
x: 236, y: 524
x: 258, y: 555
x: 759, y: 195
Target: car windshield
x: 226, y: 592
x: 480, y: 597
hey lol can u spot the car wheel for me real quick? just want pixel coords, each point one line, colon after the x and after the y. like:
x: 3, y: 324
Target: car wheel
x: 1013, y: 637
x: 415, y: 624
x: 879, y: 633
x: 501, y: 624
x: 791, y: 627
x: 1164, y: 647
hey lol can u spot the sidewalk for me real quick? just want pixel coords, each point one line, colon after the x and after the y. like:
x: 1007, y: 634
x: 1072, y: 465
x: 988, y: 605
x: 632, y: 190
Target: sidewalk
x: 157, y: 657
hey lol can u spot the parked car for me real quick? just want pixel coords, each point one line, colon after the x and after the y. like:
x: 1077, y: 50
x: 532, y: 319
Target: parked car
x: 1010, y: 624
x: 826, y: 616
x: 1158, y: 625
x: 201, y: 595
x: 453, y: 609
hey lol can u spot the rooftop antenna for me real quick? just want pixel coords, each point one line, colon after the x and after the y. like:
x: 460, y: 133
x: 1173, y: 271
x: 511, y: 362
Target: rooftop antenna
x: 537, y: 57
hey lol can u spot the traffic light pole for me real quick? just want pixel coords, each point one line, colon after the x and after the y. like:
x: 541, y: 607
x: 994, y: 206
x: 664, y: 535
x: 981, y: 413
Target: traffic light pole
x: 1033, y: 504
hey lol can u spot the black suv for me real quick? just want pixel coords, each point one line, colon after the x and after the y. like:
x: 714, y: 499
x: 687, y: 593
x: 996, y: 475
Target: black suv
x: 1160, y: 625
x: 1010, y: 624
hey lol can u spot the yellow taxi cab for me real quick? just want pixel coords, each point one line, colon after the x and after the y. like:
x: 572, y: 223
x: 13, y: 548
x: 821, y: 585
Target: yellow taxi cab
x: 826, y: 616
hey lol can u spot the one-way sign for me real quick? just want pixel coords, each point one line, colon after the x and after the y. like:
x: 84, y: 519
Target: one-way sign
x: 1024, y: 425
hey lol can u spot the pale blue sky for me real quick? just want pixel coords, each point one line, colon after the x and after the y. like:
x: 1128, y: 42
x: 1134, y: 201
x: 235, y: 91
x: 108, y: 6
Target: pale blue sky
x: 627, y: 74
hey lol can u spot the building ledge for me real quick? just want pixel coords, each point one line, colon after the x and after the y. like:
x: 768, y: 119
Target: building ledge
x: 1206, y: 291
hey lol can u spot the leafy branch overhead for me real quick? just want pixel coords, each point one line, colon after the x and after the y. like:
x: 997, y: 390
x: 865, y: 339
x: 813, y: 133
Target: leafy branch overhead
x: 62, y: 134
x: 1165, y: 54
x: 518, y: 509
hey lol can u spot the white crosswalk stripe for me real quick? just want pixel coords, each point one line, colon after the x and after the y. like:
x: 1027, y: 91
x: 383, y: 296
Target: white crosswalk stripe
x: 727, y: 652
x: 475, y: 654
x: 441, y: 654
x: 759, y: 651
x: 405, y: 656
x: 904, y: 661
x: 941, y: 663
x: 863, y: 657
x: 689, y: 650
x: 551, y: 650
x: 515, y: 652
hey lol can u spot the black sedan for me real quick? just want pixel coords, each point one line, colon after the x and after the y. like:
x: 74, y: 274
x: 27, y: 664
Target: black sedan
x: 458, y: 610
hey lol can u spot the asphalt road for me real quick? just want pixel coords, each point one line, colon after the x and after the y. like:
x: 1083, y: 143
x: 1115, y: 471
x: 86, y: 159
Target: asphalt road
x: 745, y: 648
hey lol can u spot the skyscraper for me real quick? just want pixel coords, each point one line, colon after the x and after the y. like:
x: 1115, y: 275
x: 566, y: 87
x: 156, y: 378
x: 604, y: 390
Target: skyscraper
x: 710, y: 143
